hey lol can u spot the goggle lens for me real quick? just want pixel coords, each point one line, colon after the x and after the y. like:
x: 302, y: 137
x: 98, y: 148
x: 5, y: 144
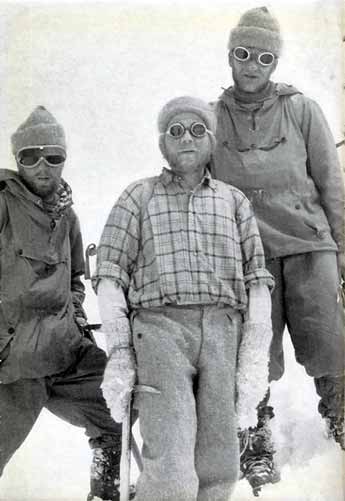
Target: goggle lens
x: 264, y: 58
x: 197, y: 129
x: 241, y: 54
x: 30, y: 157
x: 176, y: 130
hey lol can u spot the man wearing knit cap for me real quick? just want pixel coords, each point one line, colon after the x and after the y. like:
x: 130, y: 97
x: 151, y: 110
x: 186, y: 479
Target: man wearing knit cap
x: 180, y: 265
x: 275, y: 145
x: 45, y: 361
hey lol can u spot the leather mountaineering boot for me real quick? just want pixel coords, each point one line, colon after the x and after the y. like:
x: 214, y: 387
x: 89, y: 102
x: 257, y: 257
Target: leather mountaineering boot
x: 331, y: 406
x: 257, y: 452
x: 105, y: 475
x: 335, y: 428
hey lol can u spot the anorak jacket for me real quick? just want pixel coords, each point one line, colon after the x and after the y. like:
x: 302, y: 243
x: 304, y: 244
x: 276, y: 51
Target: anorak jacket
x: 41, y: 261
x: 281, y: 154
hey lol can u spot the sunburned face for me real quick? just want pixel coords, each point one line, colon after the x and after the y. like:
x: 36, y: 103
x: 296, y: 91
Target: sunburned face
x: 251, y: 76
x: 187, y: 154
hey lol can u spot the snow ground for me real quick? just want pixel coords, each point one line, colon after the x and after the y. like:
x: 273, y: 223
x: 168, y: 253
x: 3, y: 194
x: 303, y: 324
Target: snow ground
x: 53, y: 463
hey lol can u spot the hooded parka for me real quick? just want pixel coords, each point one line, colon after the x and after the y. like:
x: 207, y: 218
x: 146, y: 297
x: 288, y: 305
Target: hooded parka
x: 281, y: 154
x: 41, y: 262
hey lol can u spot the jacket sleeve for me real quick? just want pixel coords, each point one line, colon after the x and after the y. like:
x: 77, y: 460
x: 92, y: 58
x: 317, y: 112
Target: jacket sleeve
x: 323, y: 165
x: 77, y: 265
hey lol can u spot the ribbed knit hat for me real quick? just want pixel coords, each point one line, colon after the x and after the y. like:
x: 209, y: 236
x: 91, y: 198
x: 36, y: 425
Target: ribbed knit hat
x: 257, y: 28
x: 185, y: 104
x: 39, y: 129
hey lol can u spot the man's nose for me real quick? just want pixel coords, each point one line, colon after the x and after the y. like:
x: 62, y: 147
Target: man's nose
x: 187, y: 136
x: 42, y: 165
x: 253, y: 64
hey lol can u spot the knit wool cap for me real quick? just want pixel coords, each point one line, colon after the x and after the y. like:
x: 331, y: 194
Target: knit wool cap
x: 257, y: 28
x: 39, y: 129
x: 185, y: 104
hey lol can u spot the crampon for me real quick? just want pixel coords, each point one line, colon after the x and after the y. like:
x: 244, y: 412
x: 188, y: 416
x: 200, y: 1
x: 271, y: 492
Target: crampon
x: 257, y: 450
x: 335, y: 429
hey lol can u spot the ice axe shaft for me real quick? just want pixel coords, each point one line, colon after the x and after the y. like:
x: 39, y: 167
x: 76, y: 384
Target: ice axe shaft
x: 126, y: 444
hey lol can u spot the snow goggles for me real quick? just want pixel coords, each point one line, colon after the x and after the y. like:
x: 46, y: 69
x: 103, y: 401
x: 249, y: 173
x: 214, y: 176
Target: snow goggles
x: 264, y: 58
x: 30, y: 156
x: 196, y: 129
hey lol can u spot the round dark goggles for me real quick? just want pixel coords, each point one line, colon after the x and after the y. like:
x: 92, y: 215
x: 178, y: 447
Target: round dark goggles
x: 196, y: 129
x: 264, y: 58
x: 30, y: 156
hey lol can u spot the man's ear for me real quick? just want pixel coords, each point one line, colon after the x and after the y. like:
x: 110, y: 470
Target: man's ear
x: 162, y: 144
x: 230, y: 58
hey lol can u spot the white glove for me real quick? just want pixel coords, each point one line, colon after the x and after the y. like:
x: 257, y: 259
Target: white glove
x: 252, y: 371
x: 120, y: 374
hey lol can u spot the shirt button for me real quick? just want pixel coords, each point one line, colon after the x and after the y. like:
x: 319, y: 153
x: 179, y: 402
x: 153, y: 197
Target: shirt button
x: 297, y: 206
x: 195, y: 253
x: 11, y: 330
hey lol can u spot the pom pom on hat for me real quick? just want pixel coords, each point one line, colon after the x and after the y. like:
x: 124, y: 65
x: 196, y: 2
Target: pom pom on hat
x: 257, y: 28
x: 184, y: 104
x: 39, y: 129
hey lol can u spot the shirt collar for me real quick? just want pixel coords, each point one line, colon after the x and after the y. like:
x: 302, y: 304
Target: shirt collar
x: 167, y: 177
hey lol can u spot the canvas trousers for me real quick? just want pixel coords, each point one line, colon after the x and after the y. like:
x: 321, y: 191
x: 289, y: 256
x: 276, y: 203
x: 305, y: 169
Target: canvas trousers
x: 74, y: 395
x: 189, y: 430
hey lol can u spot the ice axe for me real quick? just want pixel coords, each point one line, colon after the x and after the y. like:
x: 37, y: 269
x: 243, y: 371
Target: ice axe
x: 91, y: 250
x: 126, y: 446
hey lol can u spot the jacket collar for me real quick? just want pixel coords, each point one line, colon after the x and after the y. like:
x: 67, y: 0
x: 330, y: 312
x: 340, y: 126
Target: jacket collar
x: 11, y: 179
x: 276, y: 90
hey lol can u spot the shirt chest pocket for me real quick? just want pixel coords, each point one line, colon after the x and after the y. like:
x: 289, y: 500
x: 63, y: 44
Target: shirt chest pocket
x: 216, y: 226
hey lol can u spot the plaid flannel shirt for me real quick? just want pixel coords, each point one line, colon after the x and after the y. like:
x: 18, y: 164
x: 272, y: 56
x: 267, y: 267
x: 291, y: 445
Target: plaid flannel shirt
x: 184, y: 247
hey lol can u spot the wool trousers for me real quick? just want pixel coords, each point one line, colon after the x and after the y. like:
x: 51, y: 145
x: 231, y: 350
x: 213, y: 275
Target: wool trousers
x: 306, y: 300
x: 189, y: 430
x: 74, y: 395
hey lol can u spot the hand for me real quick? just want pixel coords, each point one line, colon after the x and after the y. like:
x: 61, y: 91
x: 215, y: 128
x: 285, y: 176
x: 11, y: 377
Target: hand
x: 252, y: 371
x: 118, y: 381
